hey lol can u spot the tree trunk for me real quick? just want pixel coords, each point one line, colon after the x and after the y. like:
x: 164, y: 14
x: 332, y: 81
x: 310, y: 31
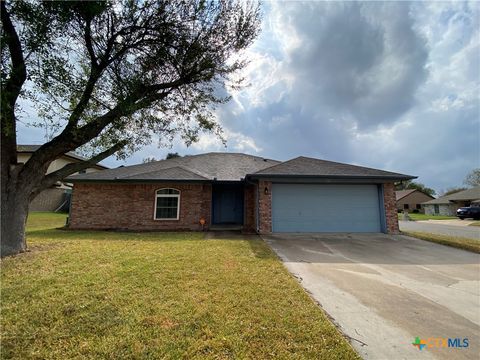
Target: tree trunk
x: 15, y: 202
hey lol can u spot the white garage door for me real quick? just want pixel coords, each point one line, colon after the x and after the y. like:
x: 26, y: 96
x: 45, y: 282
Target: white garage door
x: 325, y: 208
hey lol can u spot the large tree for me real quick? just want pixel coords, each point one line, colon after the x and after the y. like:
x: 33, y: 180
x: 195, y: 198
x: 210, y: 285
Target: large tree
x: 473, y: 178
x: 106, y: 75
x: 409, y: 184
x: 452, y: 190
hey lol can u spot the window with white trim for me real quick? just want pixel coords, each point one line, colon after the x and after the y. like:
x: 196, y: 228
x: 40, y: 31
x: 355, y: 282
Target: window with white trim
x: 167, y: 204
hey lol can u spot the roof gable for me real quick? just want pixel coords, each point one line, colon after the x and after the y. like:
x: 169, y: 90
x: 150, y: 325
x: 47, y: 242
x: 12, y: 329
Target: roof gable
x: 400, y: 194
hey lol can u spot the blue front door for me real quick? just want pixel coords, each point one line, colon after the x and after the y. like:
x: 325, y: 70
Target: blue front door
x: 227, y: 204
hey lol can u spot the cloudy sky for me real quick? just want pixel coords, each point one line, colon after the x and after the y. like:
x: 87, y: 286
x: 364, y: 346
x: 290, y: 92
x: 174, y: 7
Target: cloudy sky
x: 390, y: 85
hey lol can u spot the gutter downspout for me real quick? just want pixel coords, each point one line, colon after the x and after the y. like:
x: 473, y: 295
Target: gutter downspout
x: 383, y: 215
x: 69, y: 217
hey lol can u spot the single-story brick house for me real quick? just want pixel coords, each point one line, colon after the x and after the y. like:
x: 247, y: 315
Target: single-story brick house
x: 218, y: 189
x: 411, y: 200
x: 448, y: 205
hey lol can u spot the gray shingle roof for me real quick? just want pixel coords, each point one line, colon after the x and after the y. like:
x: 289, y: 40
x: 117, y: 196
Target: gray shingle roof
x: 71, y: 154
x: 202, y: 167
x: 310, y: 167
x: 234, y: 167
x: 465, y: 195
x: 173, y: 173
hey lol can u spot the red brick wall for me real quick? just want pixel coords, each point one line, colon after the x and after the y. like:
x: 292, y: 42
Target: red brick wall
x: 122, y: 206
x: 249, y: 221
x: 265, y: 205
x: 390, y: 208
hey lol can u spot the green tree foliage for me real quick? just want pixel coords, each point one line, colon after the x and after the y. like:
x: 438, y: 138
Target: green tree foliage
x: 149, y: 159
x: 405, y: 185
x: 104, y: 76
x: 453, y: 190
x: 473, y: 178
x: 169, y: 156
x: 172, y: 155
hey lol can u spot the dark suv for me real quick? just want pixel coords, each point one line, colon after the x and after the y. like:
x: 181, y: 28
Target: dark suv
x: 469, y: 212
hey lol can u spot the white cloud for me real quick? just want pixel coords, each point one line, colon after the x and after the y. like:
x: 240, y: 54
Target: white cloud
x: 235, y: 142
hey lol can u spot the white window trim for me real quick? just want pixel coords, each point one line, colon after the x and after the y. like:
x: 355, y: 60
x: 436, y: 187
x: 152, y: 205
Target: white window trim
x: 167, y: 195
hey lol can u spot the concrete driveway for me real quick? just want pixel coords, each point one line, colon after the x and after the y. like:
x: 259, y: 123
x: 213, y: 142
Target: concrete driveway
x: 472, y: 232
x: 383, y: 291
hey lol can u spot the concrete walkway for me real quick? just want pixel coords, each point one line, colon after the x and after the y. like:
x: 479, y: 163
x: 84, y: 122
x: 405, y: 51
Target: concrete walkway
x: 384, y: 291
x: 471, y: 232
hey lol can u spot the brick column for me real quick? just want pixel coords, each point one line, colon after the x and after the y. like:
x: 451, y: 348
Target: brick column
x: 206, y: 206
x: 265, y: 206
x: 390, y: 208
x: 249, y: 225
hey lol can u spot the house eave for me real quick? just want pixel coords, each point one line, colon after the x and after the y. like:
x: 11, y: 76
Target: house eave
x: 328, y: 178
x: 134, y: 181
x: 141, y: 181
x: 75, y: 157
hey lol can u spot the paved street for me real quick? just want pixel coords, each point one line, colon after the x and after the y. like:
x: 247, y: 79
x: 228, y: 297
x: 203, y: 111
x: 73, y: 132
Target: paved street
x: 472, y: 232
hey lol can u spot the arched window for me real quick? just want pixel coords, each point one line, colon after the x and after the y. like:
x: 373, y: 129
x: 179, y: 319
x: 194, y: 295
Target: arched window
x: 167, y: 204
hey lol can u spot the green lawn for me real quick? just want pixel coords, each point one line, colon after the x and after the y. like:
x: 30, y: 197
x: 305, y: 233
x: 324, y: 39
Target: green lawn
x: 107, y: 295
x: 45, y: 220
x: 416, y: 217
x: 458, y: 242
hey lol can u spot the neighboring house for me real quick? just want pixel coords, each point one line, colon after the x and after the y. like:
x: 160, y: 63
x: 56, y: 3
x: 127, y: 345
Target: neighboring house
x: 218, y: 189
x: 411, y: 200
x: 53, y: 198
x: 448, y: 205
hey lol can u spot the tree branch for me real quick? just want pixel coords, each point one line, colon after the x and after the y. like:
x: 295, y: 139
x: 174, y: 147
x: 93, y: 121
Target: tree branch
x: 89, y: 44
x: 137, y: 100
x: 85, y: 98
x: 95, y: 73
x: 9, y: 94
x: 52, y: 178
x: 97, y: 66
x: 18, y: 73
x: 73, y: 137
